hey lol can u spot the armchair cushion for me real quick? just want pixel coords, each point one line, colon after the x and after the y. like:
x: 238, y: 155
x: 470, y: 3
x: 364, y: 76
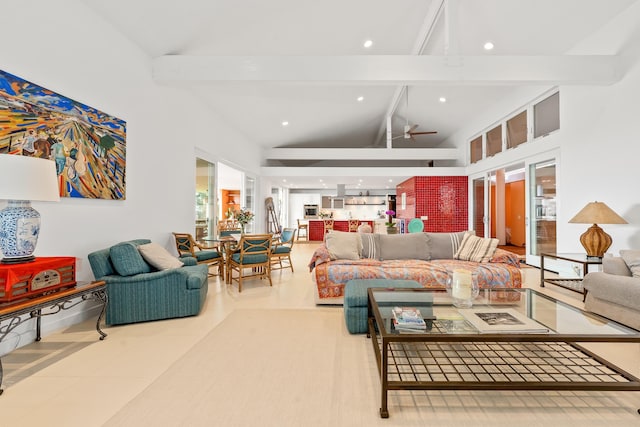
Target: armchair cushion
x: 207, y: 255
x: 249, y: 259
x: 445, y: 245
x: 280, y: 249
x: 477, y: 249
x: 343, y: 245
x: 404, y: 246
x: 159, y: 257
x: 615, y: 265
x: 632, y: 259
x: 620, y: 290
x: 126, y: 259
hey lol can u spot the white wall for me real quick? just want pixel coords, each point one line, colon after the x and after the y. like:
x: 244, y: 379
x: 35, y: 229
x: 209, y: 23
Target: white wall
x: 597, y: 142
x: 64, y: 47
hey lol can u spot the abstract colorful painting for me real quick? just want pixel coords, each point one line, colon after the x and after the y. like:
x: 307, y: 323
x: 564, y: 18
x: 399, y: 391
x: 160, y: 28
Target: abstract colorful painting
x: 87, y: 145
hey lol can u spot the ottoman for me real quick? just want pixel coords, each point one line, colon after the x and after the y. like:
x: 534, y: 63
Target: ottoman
x: 356, y: 298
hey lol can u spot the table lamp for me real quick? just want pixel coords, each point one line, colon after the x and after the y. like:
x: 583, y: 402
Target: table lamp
x: 595, y: 240
x: 23, y: 179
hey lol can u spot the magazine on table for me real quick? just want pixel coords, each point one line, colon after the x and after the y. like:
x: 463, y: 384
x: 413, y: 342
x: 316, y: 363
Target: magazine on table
x: 502, y: 321
x: 408, y: 318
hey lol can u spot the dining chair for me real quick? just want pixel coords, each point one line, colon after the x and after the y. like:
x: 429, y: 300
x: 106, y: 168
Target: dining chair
x: 253, y: 253
x: 187, y: 246
x: 281, y: 249
x: 303, y: 226
x: 353, y: 225
x: 328, y: 225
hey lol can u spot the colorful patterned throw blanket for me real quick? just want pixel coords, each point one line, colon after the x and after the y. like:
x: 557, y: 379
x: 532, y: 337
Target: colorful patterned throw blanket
x: 502, y: 271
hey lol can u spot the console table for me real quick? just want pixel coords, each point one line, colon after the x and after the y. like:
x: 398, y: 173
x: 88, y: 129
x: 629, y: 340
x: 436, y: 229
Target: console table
x: 573, y: 284
x: 21, y: 311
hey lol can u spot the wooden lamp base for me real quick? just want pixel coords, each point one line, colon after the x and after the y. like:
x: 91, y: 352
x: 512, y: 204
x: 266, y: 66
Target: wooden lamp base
x: 595, y: 241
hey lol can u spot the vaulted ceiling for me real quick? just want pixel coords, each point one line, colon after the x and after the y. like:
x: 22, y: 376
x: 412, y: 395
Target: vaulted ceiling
x: 260, y: 63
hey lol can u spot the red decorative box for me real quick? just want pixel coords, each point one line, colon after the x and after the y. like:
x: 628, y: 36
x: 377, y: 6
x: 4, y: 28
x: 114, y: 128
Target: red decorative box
x: 36, y: 278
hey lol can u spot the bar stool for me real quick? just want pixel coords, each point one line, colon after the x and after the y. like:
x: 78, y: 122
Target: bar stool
x: 353, y: 225
x: 328, y: 225
x: 305, y: 227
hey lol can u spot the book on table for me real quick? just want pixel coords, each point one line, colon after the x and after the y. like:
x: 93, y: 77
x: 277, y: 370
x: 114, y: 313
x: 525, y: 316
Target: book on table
x: 408, y: 318
x: 502, y: 321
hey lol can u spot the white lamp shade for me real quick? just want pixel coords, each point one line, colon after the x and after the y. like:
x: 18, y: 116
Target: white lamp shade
x: 28, y: 178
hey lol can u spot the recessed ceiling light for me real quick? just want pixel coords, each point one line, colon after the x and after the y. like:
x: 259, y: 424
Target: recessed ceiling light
x: 285, y: 123
x: 442, y: 99
x: 320, y: 180
x: 368, y: 43
x: 360, y: 98
x: 488, y: 46
x: 284, y: 180
x: 390, y: 180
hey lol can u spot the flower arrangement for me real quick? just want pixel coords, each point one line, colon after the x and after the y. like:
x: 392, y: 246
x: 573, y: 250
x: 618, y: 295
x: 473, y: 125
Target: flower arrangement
x: 324, y: 214
x: 243, y: 216
x: 390, y: 223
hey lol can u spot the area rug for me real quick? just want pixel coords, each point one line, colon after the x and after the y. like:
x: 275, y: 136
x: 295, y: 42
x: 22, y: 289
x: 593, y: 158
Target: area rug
x: 302, y: 368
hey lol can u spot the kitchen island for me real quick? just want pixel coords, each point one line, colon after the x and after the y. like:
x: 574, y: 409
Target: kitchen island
x: 316, y: 227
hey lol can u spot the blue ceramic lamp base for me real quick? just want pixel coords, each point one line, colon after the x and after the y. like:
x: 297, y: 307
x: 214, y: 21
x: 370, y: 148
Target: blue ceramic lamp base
x: 19, y: 230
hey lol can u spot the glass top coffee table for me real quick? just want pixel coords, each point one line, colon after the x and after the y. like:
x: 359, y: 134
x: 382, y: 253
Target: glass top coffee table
x: 511, y: 339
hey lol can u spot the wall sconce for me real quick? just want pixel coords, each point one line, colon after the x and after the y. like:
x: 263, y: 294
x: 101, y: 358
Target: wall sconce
x: 595, y: 240
x: 23, y: 179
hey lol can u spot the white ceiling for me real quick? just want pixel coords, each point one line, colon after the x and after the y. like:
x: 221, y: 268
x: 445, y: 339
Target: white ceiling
x: 324, y: 113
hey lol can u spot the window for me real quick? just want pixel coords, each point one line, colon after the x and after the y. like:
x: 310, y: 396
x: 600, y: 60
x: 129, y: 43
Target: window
x: 546, y: 116
x: 494, y: 141
x: 476, y: 149
x: 517, y: 130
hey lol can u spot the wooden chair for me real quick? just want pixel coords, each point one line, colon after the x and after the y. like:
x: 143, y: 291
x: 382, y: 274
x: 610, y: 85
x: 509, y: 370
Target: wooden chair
x: 281, y: 249
x: 328, y: 225
x: 187, y: 246
x: 254, y: 254
x: 353, y: 225
x: 305, y: 227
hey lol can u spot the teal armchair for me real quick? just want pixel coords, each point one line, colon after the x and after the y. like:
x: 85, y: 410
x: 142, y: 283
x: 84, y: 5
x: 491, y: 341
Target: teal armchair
x: 137, y: 292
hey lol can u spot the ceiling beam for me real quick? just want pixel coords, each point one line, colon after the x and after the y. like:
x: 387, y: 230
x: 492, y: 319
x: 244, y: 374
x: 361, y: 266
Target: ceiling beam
x: 390, y: 69
x: 361, y: 154
x: 292, y: 172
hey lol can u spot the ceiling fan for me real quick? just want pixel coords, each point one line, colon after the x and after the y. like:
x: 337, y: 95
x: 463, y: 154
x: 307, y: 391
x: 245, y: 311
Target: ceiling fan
x: 409, y: 131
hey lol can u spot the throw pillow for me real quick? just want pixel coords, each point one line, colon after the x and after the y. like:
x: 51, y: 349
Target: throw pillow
x: 342, y: 245
x: 126, y: 259
x: 159, y: 257
x: 445, y: 245
x: 632, y: 259
x: 404, y: 246
x: 370, y: 245
x: 478, y: 249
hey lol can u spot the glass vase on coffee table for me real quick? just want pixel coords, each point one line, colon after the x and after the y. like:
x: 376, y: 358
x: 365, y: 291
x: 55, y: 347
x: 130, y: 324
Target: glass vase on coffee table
x: 462, y: 287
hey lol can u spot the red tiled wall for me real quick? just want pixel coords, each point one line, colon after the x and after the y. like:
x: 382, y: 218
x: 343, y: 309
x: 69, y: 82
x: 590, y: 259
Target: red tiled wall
x: 444, y: 199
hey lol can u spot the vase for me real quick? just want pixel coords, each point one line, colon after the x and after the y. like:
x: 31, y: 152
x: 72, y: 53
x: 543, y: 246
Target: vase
x: 19, y: 229
x: 462, y: 288
x: 392, y: 230
x: 242, y: 229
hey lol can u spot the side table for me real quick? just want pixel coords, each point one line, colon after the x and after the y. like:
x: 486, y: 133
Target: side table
x: 573, y: 284
x: 57, y: 301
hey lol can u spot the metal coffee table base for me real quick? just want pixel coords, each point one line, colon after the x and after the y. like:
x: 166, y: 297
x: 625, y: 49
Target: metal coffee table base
x: 413, y: 363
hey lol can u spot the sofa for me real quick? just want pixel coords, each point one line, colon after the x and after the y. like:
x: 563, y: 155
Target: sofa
x: 614, y: 292
x: 141, y: 289
x: 427, y: 258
